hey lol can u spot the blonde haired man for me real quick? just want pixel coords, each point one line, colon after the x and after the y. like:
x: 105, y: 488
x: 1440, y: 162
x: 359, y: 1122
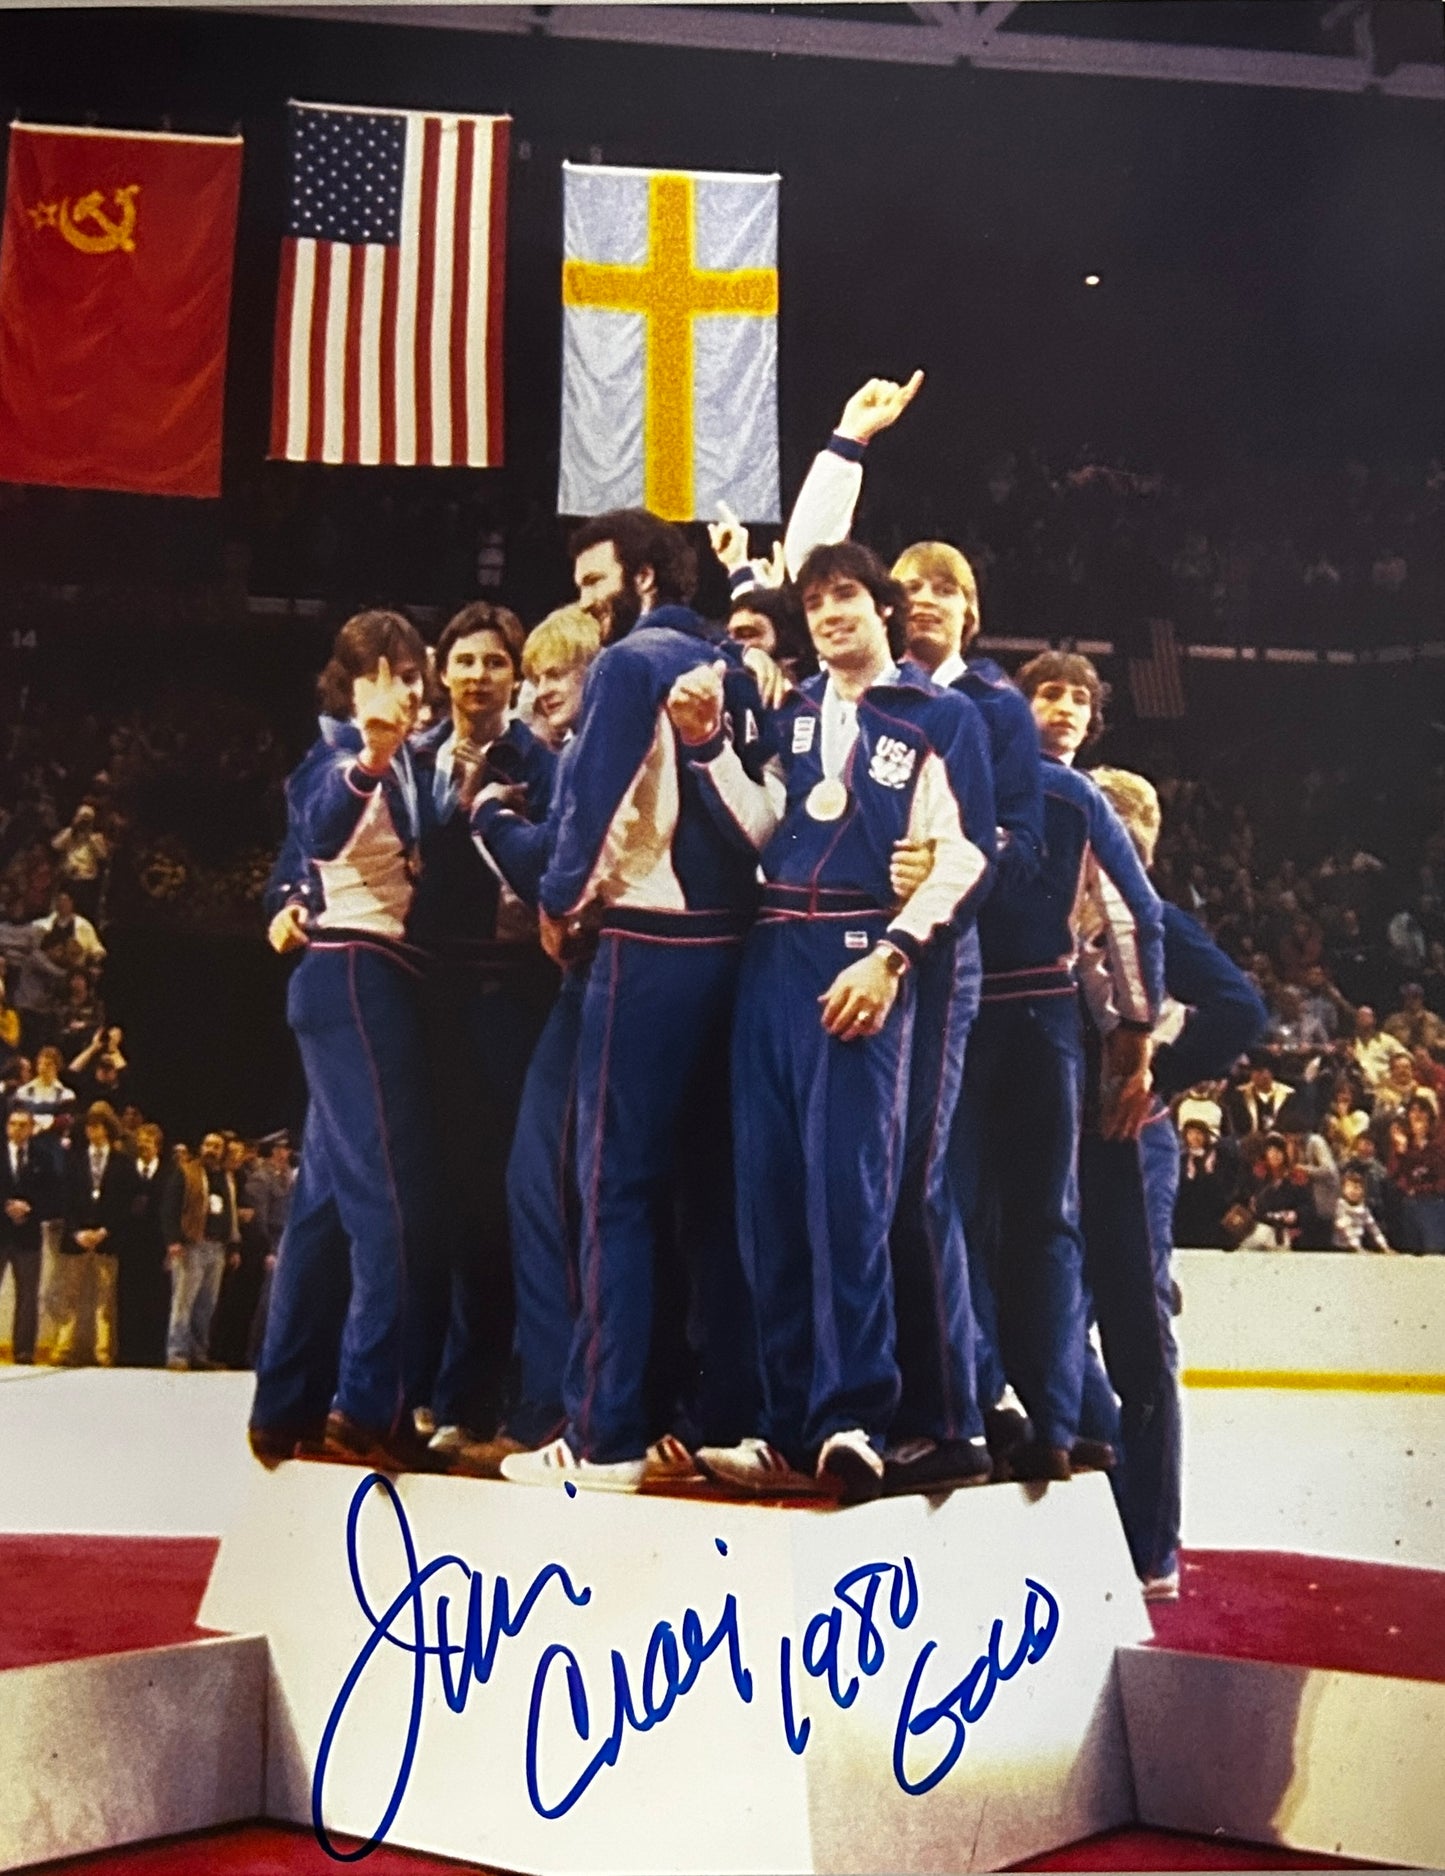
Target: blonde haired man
x: 554, y: 662
x: 1127, y: 1193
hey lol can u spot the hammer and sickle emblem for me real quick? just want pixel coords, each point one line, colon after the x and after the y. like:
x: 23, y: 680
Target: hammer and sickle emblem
x: 113, y: 234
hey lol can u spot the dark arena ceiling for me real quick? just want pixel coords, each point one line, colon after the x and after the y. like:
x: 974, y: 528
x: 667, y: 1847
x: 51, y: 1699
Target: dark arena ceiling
x: 1393, y: 47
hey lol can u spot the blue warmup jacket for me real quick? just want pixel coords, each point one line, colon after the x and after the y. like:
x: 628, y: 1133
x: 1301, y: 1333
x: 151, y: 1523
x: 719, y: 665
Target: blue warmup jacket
x: 1226, y: 1015
x: 458, y: 893
x: 1029, y: 934
x: 902, y: 727
x: 1013, y: 740
x: 632, y: 831
x: 520, y: 848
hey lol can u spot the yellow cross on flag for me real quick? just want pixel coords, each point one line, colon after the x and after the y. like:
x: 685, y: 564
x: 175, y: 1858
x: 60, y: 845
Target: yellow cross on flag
x: 669, y: 371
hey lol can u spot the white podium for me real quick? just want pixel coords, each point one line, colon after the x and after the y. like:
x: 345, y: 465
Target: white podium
x: 673, y: 1685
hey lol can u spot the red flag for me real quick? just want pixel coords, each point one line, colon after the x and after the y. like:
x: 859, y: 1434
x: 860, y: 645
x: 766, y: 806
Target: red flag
x: 115, y: 289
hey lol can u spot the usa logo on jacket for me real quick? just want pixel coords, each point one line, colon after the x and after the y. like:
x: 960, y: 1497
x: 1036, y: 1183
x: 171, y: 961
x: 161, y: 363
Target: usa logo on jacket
x: 892, y: 762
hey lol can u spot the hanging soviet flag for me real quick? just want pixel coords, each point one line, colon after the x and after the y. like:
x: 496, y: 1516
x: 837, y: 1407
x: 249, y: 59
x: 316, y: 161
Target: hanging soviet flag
x: 115, y: 291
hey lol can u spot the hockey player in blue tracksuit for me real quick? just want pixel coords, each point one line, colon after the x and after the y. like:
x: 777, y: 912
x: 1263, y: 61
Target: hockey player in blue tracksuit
x: 639, y: 864
x: 541, y: 1180
x: 1127, y: 1189
x: 930, y: 1270
x: 1022, y: 1099
x: 488, y: 993
x: 356, y: 1297
x: 871, y: 754
x: 929, y: 1267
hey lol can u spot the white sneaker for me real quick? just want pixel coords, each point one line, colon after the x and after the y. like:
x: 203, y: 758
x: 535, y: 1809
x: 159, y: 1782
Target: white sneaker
x: 849, y: 1467
x: 445, y: 1439
x: 557, y: 1464
x: 1161, y: 1588
x: 425, y: 1421
x: 754, y: 1467
x: 669, y: 1462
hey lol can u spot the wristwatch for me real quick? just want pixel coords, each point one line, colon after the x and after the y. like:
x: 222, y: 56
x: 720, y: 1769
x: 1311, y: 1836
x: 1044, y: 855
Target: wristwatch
x: 894, y: 961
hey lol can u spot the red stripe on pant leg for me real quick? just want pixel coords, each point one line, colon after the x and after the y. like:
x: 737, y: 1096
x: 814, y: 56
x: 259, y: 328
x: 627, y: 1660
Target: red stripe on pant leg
x: 589, y: 1222
x: 391, y: 1187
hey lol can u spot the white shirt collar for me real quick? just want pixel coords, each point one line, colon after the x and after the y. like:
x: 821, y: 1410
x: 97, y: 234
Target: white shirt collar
x: 951, y: 668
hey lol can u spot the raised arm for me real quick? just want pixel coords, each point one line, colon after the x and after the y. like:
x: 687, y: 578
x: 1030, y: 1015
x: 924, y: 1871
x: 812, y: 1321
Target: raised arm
x: 823, y: 512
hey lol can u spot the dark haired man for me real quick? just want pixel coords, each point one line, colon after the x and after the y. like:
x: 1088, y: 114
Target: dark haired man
x: 99, y: 1184
x: 639, y: 862
x: 487, y: 996
x: 29, y: 1195
x: 355, y: 1289
x: 941, y: 619
x: 1021, y: 1110
x: 872, y: 754
x: 627, y: 563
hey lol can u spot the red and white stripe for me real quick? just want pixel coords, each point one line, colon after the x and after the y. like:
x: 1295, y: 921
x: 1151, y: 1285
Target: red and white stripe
x: 394, y: 354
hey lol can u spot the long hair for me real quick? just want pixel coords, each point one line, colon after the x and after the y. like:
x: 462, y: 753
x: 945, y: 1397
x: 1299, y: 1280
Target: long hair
x: 1068, y: 667
x: 360, y: 646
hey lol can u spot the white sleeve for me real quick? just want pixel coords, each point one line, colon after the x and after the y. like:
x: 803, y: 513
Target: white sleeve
x: 754, y: 807
x: 823, y: 512
x: 958, y: 865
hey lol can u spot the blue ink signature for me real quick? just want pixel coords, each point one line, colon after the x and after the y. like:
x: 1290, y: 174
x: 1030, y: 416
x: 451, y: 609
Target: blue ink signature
x: 662, y: 1654
x: 459, y: 1661
x: 842, y: 1645
x: 969, y: 1699
x: 821, y: 1652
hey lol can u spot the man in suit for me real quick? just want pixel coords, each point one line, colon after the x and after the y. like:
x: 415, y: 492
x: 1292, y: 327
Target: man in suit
x: 145, y: 1289
x: 99, y: 1187
x: 29, y: 1194
x: 1254, y: 1108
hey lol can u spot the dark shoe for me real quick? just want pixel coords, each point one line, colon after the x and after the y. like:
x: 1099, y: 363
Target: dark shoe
x: 385, y: 1450
x: 1005, y: 1428
x: 1034, y: 1460
x: 274, y: 1445
x: 1092, y: 1456
x: 849, y: 1467
x: 935, y: 1466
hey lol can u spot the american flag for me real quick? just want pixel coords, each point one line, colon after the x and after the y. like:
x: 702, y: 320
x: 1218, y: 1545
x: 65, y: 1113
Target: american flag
x: 389, y: 311
x: 1156, y: 683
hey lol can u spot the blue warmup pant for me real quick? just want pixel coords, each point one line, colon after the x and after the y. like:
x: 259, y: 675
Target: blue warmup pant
x: 654, y: 1018
x: 819, y: 1129
x: 357, y: 1302
x: 486, y: 1022
x: 1127, y: 1189
x: 542, y: 1206
x: 930, y: 1264
x: 1016, y: 1160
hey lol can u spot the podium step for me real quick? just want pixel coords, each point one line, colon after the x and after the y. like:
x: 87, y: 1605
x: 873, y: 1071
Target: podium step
x: 714, y: 1687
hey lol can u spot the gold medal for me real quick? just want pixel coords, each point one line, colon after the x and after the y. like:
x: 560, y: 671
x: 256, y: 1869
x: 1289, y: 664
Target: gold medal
x: 826, y: 800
